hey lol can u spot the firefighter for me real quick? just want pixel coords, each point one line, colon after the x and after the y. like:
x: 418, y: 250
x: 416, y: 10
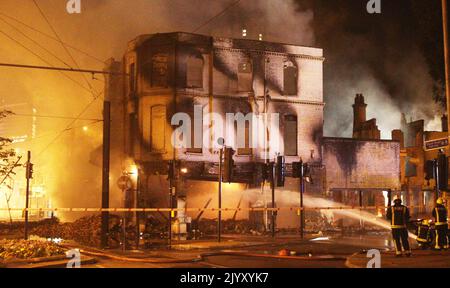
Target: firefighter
x: 424, y: 234
x: 399, y: 217
x: 440, y: 224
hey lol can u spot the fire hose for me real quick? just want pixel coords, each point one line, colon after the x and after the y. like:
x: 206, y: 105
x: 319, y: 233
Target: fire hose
x: 202, y: 257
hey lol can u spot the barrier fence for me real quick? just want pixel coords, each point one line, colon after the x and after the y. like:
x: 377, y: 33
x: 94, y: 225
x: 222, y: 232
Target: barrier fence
x: 259, y: 209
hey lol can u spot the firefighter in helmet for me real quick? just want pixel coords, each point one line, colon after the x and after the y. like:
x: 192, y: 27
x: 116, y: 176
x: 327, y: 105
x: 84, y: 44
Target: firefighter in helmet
x: 398, y: 215
x: 440, y: 224
x: 424, y: 234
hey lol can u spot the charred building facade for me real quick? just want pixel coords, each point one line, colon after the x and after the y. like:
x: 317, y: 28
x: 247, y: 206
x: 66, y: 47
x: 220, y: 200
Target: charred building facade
x: 173, y: 78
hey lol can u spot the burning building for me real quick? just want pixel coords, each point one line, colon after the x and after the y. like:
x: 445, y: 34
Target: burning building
x: 172, y: 78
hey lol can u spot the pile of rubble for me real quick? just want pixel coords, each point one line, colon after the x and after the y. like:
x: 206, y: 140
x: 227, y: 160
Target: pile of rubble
x: 85, y: 230
x: 315, y: 222
x: 27, y: 249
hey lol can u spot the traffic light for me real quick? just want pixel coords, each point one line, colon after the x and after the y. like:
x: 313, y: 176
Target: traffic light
x: 442, y: 162
x: 280, y: 171
x: 297, y: 169
x: 228, y: 165
x: 267, y: 171
x: 170, y: 170
x: 29, y: 170
x: 429, y: 170
x: 306, y: 173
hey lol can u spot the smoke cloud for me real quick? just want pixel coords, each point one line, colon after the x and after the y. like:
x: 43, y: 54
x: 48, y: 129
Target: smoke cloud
x: 372, y: 54
x: 387, y: 57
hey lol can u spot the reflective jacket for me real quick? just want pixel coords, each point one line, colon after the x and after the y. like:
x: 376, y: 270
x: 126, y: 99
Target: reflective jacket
x: 398, y: 215
x: 440, y: 215
x: 423, y: 233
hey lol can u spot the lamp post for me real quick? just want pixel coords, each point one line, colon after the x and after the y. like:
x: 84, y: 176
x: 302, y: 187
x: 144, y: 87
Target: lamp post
x: 446, y: 57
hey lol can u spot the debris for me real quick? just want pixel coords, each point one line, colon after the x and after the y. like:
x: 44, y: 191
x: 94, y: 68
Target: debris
x: 26, y: 249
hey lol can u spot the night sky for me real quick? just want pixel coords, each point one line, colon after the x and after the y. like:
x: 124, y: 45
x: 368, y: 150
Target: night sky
x: 396, y: 57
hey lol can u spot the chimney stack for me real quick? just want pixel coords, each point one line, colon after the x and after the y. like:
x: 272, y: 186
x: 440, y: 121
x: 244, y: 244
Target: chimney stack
x: 359, y: 112
x: 444, y: 120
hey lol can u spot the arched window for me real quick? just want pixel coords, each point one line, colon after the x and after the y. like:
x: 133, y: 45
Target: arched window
x: 158, y: 128
x: 245, y: 76
x: 290, y: 135
x: 159, y: 70
x: 290, y: 73
x: 194, y: 72
x: 196, y: 130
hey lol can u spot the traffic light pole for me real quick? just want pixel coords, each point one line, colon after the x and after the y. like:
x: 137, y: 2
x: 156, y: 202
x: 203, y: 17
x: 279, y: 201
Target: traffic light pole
x: 302, y: 212
x: 138, y: 189
x: 446, y: 57
x: 105, y: 172
x: 436, y: 179
x: 219, y: 224
x: 272, y: 186
x: 302, y: 191
x: 27, y: 195
x: 171, y: 176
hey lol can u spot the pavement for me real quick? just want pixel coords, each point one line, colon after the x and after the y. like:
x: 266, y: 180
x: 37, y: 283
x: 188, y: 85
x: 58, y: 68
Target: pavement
x: 46, y: 262
x: 419, y: 259
x: 243, y: 252
x: 315, y: 251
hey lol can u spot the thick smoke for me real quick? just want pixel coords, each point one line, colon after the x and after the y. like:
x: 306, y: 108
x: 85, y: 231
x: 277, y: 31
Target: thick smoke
x: 103, y: 29
x: 387, y: 57
x: 377, y: 55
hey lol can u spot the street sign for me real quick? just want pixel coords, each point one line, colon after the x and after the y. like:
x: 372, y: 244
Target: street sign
x: 436, y: 144
x: 124, y: 182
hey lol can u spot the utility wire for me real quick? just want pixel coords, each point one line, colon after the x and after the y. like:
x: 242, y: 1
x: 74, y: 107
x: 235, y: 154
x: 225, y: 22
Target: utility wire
x: 43, y: 60
x: 51, y: 133
x: 54, y: 117
x: 35, y: 42
x: 65, y: 48
x: 44, y: 135
x: 53, y: 38
x: 216, y: 16
x: 68, y: 126
x: 61, y: 69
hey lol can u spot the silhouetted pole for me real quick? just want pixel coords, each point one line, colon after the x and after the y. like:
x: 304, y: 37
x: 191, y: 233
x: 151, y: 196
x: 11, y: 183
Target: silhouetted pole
x: 272, y: 186
x: 105, y: 172
x: 171, y: 182
x: 361, y: 221
x: 219, y: 224
x: 446, y: 57
x: 138, y: 189
x: 302, y: 191
x: 27, y: 191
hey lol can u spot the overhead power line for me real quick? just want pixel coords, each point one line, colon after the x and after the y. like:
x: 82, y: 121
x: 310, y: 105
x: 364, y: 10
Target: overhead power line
x: 60, y: 68
x: 216, y: 16
x: 35, y: 42
x: 93, y: 90
x: 42, y: 59
x: 55, y: 117
x: 53, y: 38
x: 68, y: 127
